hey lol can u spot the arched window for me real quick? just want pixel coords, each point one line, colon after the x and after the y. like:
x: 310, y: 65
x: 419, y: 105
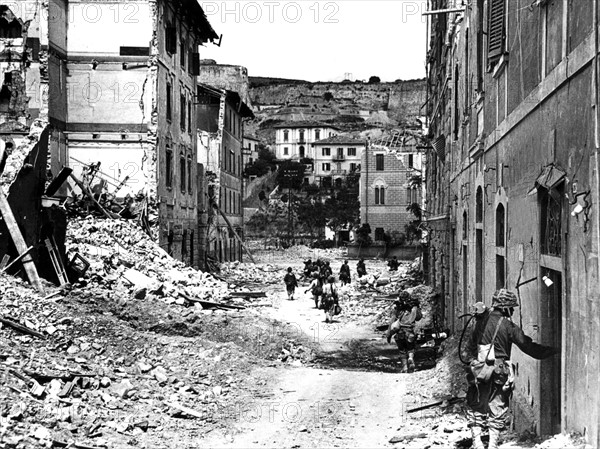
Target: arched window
x: 380, y: 195
x: 301, y: 135
x: 500, y: 225
x: 182, y: 171
x: 169, y: 166
x: 301, y: 151
x: 465, y: 226
x: 479, y: 205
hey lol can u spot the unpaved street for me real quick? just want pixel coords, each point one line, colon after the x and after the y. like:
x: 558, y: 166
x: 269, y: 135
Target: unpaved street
x: 331, y: 406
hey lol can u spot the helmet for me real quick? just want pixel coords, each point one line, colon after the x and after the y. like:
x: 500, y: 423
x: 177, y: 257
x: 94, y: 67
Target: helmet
x: 504, y: 299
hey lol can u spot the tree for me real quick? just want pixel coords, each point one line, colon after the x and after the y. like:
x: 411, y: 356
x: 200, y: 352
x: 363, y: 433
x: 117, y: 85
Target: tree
x: 374, y: 80
x: 343, y: 209
x: 262, y: 165
x: 312, y: 216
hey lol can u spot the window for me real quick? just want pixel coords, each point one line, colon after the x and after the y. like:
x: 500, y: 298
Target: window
x: 352, y: 166
x: 301, y: 136
x: 191, y: 247
x: 326, y: 166
x: 380, y: 195
x: 500, y: 225
x: 326, y: 152
x: 465, y: 226
x: 285, y: 151
x: 500, y: 272
x: 379, y: 162
x: 171, y: 39
x: 182, y: 112
x: 351, y: 151
x: 182, y: 46
x: 340, y: 153
x: 184, y: 245
x: 169, y: 101
x: 302, y: 151
x: 479, y: 205
x: 550, y: 222
x: 379, y: 234
x: 190, y: 56
x: 317, y: 134
x: 189, y: 116
x: 169, y: 167
x: 195, y: 64
x: 411, y: 161
x: 182, y: 171
x: 189, y: 174
x: 286, y: 136
x: 496, y: 29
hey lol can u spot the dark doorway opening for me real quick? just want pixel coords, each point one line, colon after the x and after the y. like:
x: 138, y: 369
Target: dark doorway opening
x: 550, y: 369
x: 479, y: 265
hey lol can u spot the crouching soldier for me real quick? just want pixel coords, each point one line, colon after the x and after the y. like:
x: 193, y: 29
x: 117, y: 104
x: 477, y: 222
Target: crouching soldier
x: 490, y: 373
x: 405, y: 313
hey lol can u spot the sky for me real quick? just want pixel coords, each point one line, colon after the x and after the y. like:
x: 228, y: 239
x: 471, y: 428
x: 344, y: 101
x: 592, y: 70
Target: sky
x: 320, y: 40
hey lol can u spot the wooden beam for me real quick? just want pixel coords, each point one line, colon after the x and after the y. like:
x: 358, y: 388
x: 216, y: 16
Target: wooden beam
x: 87, y: 193
x: 235, y: 233
x: 17, y: 259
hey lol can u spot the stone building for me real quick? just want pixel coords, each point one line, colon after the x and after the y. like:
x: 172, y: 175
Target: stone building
x: 131, y: 79
x: 335, y: 158
x: 220, y: 126
x: 386, y: 190
x: 512, y: 189
x: 293, y: 140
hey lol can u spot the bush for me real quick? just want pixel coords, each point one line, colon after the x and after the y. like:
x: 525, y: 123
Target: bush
x: 374, y: 80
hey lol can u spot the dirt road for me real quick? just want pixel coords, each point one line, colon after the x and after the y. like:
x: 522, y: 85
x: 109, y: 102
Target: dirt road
x: 336, y: 403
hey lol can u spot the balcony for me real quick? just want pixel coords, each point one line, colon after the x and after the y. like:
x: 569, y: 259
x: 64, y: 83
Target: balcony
x: 339, y: 172
x: 338, y: 157
x: 302, y: 141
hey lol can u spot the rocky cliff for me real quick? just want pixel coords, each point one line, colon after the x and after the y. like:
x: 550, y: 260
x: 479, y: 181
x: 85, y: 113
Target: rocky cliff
x: 353, y: 106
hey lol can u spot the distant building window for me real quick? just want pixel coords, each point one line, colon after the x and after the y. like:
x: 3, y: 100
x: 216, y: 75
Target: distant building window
x: 169, y: 102
x: 379, y: 234
x: 169, y: 167
x: 301, y: 135
x: 182, y: 171
x: 301, y: 151
x: 465, y: 226
x: 351, y: 151
x: 286, y: 135
x: 183, y: 112
x: 182, y: 52
x: 317, y: 134
x: 285, y: 151
x: 326, y: 166
x: 189, y: 174
x: 352, y: 166
x: 326, y: 152
x: 380, y: 195
x: 411, y: 161
x: 189, y: 115
x: 379, y: 162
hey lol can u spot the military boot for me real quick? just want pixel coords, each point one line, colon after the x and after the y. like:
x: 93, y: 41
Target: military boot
x: 476, y: 433
x: 494, y: 437
x: 411, y: 362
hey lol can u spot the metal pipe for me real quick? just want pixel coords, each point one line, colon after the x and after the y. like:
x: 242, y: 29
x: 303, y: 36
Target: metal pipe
x: 443, y: 11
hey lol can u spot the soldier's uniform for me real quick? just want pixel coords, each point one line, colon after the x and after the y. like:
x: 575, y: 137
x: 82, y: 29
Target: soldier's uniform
x: 405, y: 313
x: 488, y: 399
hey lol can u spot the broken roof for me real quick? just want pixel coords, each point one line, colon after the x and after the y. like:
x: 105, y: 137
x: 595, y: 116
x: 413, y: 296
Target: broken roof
x: 232, y: 97
x: 304, y: 124
x: 340, y: 140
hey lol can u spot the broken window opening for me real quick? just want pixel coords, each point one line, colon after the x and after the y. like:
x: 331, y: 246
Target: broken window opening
x: 189, y: 174
x: 10, y: 27
x: 169, y: 167
x: 550, y: 221
x: 500, y: 225
x: 182, y: 171
x: 479, y: 205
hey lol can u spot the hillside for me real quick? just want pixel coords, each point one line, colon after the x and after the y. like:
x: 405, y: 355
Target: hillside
x: 352, y: 106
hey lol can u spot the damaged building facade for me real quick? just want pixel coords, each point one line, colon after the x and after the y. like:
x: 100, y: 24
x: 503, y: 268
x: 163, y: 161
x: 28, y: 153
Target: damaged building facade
x: 131, y: 96
x: 220, y: 141
x: 512, y: 189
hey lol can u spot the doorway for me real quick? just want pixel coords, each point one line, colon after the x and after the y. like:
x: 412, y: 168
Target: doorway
x: 550, y: 369
x: 465, y: 279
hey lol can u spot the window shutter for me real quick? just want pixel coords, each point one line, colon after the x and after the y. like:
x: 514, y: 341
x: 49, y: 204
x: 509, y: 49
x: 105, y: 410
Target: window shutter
x: 496, y: 28
x: 196, y: 62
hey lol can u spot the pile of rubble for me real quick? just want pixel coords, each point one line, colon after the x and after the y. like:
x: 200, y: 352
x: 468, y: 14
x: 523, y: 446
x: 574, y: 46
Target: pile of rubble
x: 124, y: 259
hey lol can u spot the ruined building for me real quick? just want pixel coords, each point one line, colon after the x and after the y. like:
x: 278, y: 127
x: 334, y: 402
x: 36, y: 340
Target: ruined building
x: 131, y: 83
x: 512, y: 188
x: 221, y: 129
